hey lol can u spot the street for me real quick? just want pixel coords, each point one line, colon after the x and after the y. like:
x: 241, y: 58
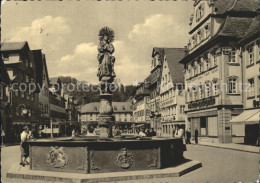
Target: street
x: 218, y: 165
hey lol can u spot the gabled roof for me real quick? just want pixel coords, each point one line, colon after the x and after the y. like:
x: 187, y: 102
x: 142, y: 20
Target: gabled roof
x: 224, y: 6
x: 173, y: 56
x: 93, y: 107
x: 245, y: 6
x: 157, y: 50
x: 235, y: 26
x: 13, y: 46
x: 254, y: 30
x: 154, y: 76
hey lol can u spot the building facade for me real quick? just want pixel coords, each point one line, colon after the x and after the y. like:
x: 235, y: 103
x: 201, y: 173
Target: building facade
x: 5, y: 103
x: 58, y: 115
x: 246, y: 125
x: 213, y: 67
x: 154, y: 80
x: 122, y: 111
x: 20, y: 66
x: 42, y: 88
x: 141, y: 111
x: 172, y: 102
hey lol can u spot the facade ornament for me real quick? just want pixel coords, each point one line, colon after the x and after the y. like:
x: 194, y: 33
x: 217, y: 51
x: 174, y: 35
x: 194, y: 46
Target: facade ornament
x: 226, y: 51
x: 57, y: 158
x: 124, y: 159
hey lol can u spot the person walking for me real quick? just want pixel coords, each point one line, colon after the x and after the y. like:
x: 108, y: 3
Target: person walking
x: 188, y: 136
x: 196, y: 136
x: 24, y: 146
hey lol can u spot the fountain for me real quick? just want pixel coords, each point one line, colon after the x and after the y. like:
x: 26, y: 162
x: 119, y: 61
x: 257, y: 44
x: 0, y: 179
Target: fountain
x: 104, y: 154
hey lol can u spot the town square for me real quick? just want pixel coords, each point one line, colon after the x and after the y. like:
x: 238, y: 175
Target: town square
x: 130, y: 91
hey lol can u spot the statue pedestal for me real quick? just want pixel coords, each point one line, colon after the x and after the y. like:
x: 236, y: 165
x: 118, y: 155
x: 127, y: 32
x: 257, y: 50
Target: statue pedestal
x: 106, y: 118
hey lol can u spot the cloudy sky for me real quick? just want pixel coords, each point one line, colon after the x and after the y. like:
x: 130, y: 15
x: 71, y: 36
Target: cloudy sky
x: 66, y: 31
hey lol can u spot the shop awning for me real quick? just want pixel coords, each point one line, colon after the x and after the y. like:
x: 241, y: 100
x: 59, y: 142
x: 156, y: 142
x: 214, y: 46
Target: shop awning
x: 247, y: 117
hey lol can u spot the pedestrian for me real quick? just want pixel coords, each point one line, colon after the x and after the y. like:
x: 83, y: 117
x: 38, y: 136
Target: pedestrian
x: 73, y: 133
x: 24, y: 147
x: 141, y: 133
x: 153, y: 133
x: 188, y: 136
x: 196, y: 136
x: 175, y: 131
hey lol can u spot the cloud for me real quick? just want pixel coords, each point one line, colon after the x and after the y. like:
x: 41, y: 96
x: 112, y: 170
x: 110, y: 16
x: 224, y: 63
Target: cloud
x: 160, y: 30
x: 47, y: 32
x: 83, y: 64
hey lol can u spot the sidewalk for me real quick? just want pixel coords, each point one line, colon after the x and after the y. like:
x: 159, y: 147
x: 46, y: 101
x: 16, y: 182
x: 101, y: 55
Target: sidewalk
x: 238, y: 147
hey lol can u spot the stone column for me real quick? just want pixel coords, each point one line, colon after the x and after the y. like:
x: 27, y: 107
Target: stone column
x: 106, y: 118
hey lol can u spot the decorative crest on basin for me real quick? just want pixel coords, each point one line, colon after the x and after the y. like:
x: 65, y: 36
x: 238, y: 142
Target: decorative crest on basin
x: 124, y: 159
x: 57, y: 157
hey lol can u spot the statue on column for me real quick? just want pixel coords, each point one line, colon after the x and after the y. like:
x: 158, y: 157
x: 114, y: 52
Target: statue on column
x: 106, y: 75
x: 106, y: 61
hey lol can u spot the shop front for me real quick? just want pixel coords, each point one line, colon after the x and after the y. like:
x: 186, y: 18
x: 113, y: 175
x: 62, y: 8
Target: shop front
x: 249, y: 121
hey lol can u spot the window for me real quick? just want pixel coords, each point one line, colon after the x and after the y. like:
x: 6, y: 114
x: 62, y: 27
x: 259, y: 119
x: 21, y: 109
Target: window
x: 232, y: 85
x: 251, y: 87
x: 5, y: 56
x: 194, y: 70
x: 200, y: 66
x: 251, y: 57
x: 208, y: 89
x: 27, y: 79
x: 41, y: 107
x: 17, y: 111
x: 194, y: 91
x: 182, y: 107
x: 27, y: 63
x: 207, y: 33
x: 206, y: 62
x: 199, y: 12
x: 165, y: 78
x: 215, y: 87
x: 115, y: 108
x: 46, y: 109
x: 169, y: 77
x: 199, y: 36
x: 201, y: 92
x: 233, y: 55
x: 214, y: 57
x: 123, y: 108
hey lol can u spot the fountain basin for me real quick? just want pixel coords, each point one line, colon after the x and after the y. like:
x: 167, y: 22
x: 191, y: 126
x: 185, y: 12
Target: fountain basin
x: 90, y: 155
